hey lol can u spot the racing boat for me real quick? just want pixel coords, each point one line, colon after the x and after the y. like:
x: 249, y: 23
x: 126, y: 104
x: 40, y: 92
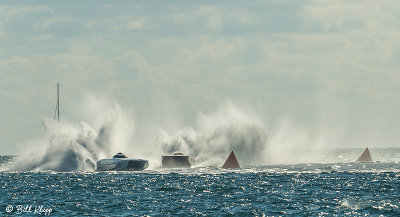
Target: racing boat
x: 177, y: 160
x: 121, y: 162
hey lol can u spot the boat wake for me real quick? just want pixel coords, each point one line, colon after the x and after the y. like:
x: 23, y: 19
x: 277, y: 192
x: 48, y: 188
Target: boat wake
x: 76, y: 147
x: 217, y: 135
x: 72, y: 147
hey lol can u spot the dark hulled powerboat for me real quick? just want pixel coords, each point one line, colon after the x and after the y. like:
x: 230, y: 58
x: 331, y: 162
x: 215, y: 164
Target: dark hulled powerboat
x: 121, y: 162
x: 177, y: 160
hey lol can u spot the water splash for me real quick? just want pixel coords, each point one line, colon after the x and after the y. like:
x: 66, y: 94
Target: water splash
x: 107, y: 129
x: 77, y: 147
x: 216, y: 135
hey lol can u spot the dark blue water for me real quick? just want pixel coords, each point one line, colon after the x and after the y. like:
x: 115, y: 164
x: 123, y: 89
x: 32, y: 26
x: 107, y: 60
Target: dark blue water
x: 303, y: 189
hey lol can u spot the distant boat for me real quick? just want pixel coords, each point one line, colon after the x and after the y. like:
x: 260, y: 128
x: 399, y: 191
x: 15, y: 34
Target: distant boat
x: 231, y: 162
x: 365, y: 156
x: 177, y: 160
x: 120, y: 162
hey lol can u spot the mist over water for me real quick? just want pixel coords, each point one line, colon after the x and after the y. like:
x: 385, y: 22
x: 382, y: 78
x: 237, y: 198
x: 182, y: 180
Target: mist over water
x: 78, y: 146
x: 216, y: 135
x: 106, y: 128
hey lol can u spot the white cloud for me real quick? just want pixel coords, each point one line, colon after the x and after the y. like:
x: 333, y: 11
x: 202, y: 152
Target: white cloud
x: 131, y: 24
x: 43, y: 37
x: 334, y: 15
x: 181, y: 18
x: 361, y: 36
x: 91, y: 23
x: 11, y: 12
x: 216, y: 18
x: 211, y: 50
x: 2, y: 34
x: 47, y: 23
x: 125, y: 22
x: 108, y: 5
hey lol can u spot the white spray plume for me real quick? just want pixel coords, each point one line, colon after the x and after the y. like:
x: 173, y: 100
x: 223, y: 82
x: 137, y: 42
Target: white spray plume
x: 291, y: 143
x: 107, y: 129
x: 77, y: 147
x: 216, y: 135
x: 286, y: 141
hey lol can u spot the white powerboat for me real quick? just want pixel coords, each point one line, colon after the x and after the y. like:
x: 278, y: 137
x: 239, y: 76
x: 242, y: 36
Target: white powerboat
x: 121, y: 162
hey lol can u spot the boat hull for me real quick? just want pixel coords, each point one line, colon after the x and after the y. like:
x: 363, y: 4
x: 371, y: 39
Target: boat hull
x: 122, y: 164
x: 176, y: 161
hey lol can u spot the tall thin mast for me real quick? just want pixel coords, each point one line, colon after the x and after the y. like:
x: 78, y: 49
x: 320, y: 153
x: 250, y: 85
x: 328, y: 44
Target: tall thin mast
x: 58, y: 102
x: 57, y: 112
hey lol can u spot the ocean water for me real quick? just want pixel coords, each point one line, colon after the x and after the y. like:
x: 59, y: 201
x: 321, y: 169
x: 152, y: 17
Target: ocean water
x: 320, y: 189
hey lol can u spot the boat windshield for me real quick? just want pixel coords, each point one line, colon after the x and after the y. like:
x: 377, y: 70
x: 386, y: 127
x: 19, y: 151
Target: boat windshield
x: 120, y: 155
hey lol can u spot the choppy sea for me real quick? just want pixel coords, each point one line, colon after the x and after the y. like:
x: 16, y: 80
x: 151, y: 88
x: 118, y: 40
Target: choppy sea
x: 312, y: 189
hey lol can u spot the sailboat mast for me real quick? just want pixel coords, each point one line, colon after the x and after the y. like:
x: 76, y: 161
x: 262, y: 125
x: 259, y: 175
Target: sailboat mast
x: 58, y: 102
x: 57, y: 111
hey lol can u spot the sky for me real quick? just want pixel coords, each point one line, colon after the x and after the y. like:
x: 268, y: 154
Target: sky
x: 328, y: 70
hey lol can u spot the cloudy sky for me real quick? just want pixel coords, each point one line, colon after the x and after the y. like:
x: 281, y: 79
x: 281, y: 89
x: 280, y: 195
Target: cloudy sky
x: 327, y: 68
